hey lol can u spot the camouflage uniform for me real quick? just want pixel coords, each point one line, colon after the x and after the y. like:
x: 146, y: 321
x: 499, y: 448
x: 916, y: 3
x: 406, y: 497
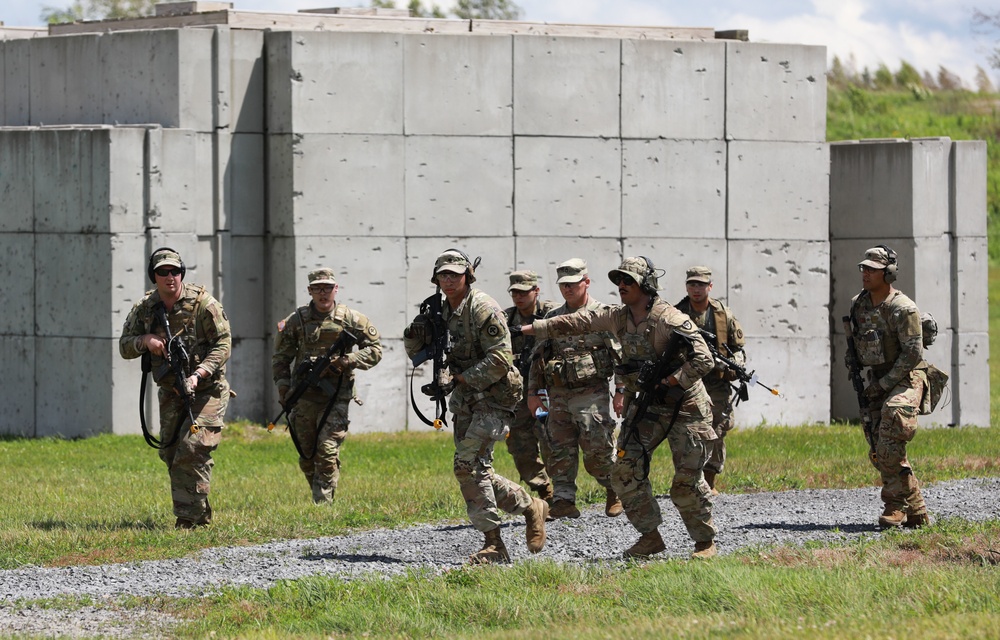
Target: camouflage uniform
x: 719, y: 319
x: 888, y: 340
x: 305, y: 335
x: 575, y: 370
x: 201, y: 324
x: 527, y: 443
x: 690, y: 432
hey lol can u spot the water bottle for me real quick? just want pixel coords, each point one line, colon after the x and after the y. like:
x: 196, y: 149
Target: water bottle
x: 542, y: 412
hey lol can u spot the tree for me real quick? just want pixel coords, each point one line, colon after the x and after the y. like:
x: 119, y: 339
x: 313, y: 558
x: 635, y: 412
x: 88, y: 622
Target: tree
x: 930, y: 82
x: 907, y: 76
x: 883, y: 77
x: 97, y: 10
x: 986, y: 24
x: 465, y: 9
x: 837, y: 76
x: 983, y: 83
x: 947, y: 80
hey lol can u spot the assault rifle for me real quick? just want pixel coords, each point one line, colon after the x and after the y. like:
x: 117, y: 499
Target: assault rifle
x: 437, y: 348
x: 747, y: 379
x: 309, y: 373
x: 178, y: 361
x: 854, y: 372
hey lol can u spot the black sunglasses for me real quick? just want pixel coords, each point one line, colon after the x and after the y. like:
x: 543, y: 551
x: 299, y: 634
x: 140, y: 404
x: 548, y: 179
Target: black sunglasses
x: 620, y: 279
x: 163, y: 272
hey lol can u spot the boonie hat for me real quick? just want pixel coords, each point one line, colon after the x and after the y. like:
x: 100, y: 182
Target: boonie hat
x: 322, y: 276
x: 637, y: 269
x: 522, y: 281
x: 572, y: 271
x: 699, y: 274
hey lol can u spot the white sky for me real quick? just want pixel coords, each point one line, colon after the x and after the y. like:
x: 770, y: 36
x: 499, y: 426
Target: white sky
x: 925, y: 33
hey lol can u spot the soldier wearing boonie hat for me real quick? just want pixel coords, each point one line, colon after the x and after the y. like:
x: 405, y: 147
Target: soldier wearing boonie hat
x: 527, y: 443
x: 319, y: 420
x: 716, y: 318
x: 645, y: 325
x: 487, y: 389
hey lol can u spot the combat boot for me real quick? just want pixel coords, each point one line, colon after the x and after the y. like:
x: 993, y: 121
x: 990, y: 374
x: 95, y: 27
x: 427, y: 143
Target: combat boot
x: 545, y: 493
x: 564, y: 509
x: 892, y: 518
x: 493, y: 551
x: 710, y: 479
x: 649, y: 544
x: 704, y: 550
x: 534, y: 524
x: 613, y: 506
x: 917, y: 520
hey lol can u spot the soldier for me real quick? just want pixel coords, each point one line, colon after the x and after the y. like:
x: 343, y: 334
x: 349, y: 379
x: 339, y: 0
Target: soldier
x: 197, y: 320
x: 728, y: 342
x: 527, y: 443
x: 487, y: 388
x: 887, y: 333
x: 319, y: 419
x: 645, y: 325
x: 575, y: 371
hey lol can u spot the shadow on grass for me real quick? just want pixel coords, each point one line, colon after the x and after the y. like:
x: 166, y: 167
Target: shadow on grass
x: 811, y: 526
x: 138, y: 525
x: 354, y: 557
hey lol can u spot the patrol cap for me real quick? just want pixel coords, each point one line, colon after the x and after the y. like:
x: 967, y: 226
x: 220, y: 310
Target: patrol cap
x: 322, y: 276
x: 699, y: 274
x: 453, y: 261
x: 522, y: 281
x: 166, y: 257
x: 638, y: 269
x: 876, y: 258
x: 572, y: 271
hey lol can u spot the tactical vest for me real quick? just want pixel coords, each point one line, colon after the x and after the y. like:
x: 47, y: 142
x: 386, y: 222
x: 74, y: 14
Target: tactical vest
x: 578, y: 361
x: 318, y: 335
x: 716, y: 322
x: 637, y: 347
x: 183, y: 319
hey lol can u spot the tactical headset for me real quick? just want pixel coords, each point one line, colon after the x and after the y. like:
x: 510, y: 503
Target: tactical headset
x: 152, y: 261
x: 649, y: 281
x: 892, y: 268
x: 470, y: 271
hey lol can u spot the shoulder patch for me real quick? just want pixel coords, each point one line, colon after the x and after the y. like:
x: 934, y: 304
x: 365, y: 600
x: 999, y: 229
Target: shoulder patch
x: 371, y: 330
x: 739, y: 333
x: 281, y: 325
x: 687, y: 325
x: 493, y: 330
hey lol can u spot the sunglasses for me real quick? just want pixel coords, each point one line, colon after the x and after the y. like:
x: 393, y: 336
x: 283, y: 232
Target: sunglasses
x: 321, y: 288
x: 165, y: 272
x: 621, y: 279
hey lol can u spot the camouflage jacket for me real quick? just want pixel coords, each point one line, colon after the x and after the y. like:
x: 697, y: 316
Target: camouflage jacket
x: 728, y: 335
x: 306, y: 335
x: 197, y: 319
x: 577, y: 360
x: 888, y: 337
x: 522, y: 345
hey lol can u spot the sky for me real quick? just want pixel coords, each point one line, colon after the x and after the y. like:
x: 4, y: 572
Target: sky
x: 925, y: 33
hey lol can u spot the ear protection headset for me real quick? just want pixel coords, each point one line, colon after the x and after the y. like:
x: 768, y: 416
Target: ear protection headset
x: 892, y: 268
x: 152, y: 261
x: 649, y: 281
x: 472, y: 264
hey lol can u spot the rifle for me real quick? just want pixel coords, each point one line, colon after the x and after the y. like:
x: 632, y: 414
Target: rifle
x: 854, y: 372
x: 309, y: 373
x: 649, y: 381
x: 746, y: 379
x: 436, y: 350
x: 178, y: 361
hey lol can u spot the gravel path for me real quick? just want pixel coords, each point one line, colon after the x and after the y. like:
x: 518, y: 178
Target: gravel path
x: 743, y: 520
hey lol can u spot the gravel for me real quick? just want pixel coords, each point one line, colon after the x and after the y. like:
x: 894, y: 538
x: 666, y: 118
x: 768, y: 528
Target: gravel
x: 743, y: 520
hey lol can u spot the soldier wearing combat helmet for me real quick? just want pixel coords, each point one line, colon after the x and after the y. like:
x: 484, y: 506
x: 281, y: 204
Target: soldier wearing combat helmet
x: 886, y: 328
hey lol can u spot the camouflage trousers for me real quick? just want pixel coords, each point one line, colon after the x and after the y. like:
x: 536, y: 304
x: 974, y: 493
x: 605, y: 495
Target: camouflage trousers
x: 896, y: 420
x: 484, y: 491
x: 579, y: 419
x: 529, y: 448
x: 688, y: 439
x: 722, y: 424
x: 189, y: 460
x: 321, y: 443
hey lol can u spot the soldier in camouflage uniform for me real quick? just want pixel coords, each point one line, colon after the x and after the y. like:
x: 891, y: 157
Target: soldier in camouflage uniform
x: 305, y: 335
x: 575, y: 371
x: 888, y: 338
x: 199, y: 322
x: 715, y: 317
x: 644, y: 324
x: 527, y: 443
x: 487, y: 388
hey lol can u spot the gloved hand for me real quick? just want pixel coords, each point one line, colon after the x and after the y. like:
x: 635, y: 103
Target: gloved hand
x: 341, y: 364
x: 417, y: 329
x: 282, y: 392
x: 191, y: 383
x: 874, y: 391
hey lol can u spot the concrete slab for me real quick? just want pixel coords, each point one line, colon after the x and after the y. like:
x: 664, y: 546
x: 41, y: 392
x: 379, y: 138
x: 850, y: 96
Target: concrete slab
x: 16, y: 83
x: 336, y: 184
x: 663, y: 80
x: 72, y: 401
x: 463, y: 184
x: 889, y: 189
x: 567, y: 187
x: 775, y: 92
x: 17, y: 380
x: 17, y: 296
x: 799, y: 368
x: 924, y: 275
x: 180, y: 185
x: 457, y: 85
x: 88, y: 180
x: 334, y: 82
x: 384, y: 391
x: 244, y: 176
x: 249, y: 374
x: 244, y: 261
x: 565, y: 86
x: 17, y: 180
x: 103, y: 302
x: 673, y: 257
x: 968, y: 187
x: 64, y: 89
x: 779, y: 190
x: 246, y: 97
x: 674, y: 188
x: 970, y: 383
x: 970, y: 285
x: 542, y: 255
x: 371, y: 273
x: 781, y: 288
